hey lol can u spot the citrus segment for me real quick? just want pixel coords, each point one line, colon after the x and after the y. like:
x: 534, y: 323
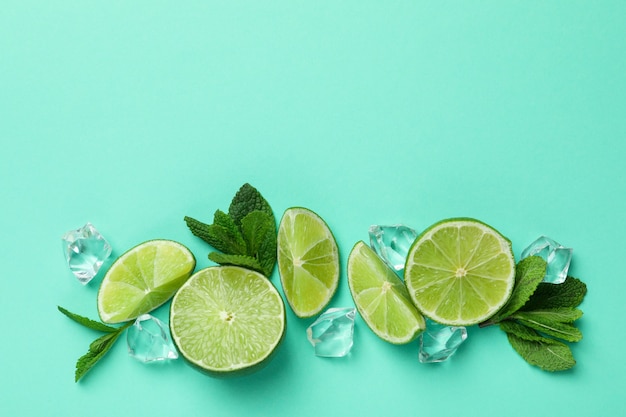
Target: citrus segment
x: 227, y: 320
x: 308, y: 261
x: 460, y: 272
x: 381, y: 297
x: 142, y: 279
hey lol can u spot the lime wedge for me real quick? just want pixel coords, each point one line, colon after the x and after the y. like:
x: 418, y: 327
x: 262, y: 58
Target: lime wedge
x: 227, y: 320
x: 142, y: 279
x: 460, y: 272
x: 308, y: 261
x: 381, y: 297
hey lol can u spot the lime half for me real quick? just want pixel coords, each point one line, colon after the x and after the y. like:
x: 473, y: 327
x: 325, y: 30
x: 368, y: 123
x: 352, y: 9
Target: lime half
x: 460, y: 272
x: 142, y: 279
x: 308, y: 261
x: 227, y: 320
x: 381, y: 297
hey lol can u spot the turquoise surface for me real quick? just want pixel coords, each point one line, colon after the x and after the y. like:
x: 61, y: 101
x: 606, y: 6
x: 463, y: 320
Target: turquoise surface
x: 133, y: 114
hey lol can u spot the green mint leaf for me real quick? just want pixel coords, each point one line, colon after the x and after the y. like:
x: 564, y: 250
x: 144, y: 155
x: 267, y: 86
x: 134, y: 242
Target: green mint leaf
x: 528, y: 274
x: 230, y: 233
x: 259, y: 231
x: 91, y: 324
x: 243, y: 261
x: 547, y: 354
x: 221, y: 238
x: 267, y: 253
x: 559, y: 314
x: 255, y: 226
x: 570, y: 293
x: 545, y: 323
x: 102, y: 342
x: 247, y: 200
x: 226, y: 241
x: 200, y: 230
x: 519, y: 330
x: 97, y: 349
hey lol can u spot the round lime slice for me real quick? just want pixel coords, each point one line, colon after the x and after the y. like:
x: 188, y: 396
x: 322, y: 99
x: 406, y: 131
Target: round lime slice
x: 381, y: 297
x: 460, y: 272
x: 142, y: 279
x: 227, y: 320
x: 308, y: 261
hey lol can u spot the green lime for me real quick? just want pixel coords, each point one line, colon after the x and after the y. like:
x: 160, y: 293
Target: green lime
x: 381, y: 297
x: 142, y: 279
x: 308, y: 261
x: 227, y: 320
x: 460, y: 271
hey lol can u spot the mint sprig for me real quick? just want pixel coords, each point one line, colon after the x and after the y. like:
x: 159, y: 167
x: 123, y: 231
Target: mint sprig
x: 548, y: 354
x: 540, y: 316
x: 245, y: 236
x: 99, y: 347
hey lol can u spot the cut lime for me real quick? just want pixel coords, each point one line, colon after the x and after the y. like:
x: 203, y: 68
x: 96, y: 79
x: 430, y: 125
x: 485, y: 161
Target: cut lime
x: 227, y: 320
x: 460, y: 272
x: 142, y: 279
x: 381, y: 297
x: 308, y: 261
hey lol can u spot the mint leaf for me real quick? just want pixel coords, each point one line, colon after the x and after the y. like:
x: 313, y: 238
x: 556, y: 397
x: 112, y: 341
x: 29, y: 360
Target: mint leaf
x: 200, y: 230
x: 545, y: 323
x: 247, y: 200
x: 229, y: 233
x: 259, y: 231
x: 529, y: 272
x: 97, y: 350
x: 559, y: 314
x: 519, y: 330
x: 91, y: 324
x: 98, y: 347
x: 254, y: 226
x: 570, y: 293
x: 547, y: 354
x: 224, y: 239
x: 267, y: 253
x: 103, y: 341
x: 243, y: 261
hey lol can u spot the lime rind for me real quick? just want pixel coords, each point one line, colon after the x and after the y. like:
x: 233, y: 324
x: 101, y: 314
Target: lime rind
x: 460, y: 271
x: 308, y: 261
x: 142, y: 279
x: 227, y: 320
x: 382, y: 298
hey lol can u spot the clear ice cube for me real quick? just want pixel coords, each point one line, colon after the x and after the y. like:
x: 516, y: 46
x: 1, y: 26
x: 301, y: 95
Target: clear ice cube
x: 392, y: 244
x: 148, y: 340
x: 556, y: 255
x: 331, y: 334
x: 438, y: 342
x: 85, y: 251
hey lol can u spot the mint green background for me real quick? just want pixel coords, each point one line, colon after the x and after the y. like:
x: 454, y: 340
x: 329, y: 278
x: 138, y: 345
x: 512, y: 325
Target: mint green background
x: 132, y: 114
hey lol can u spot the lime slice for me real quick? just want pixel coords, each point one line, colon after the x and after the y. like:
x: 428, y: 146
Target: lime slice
x: 308, y: 261
x: 227, y: 320
x: 142, y: 279
x: 460, y: 272
x: 381, y: 297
